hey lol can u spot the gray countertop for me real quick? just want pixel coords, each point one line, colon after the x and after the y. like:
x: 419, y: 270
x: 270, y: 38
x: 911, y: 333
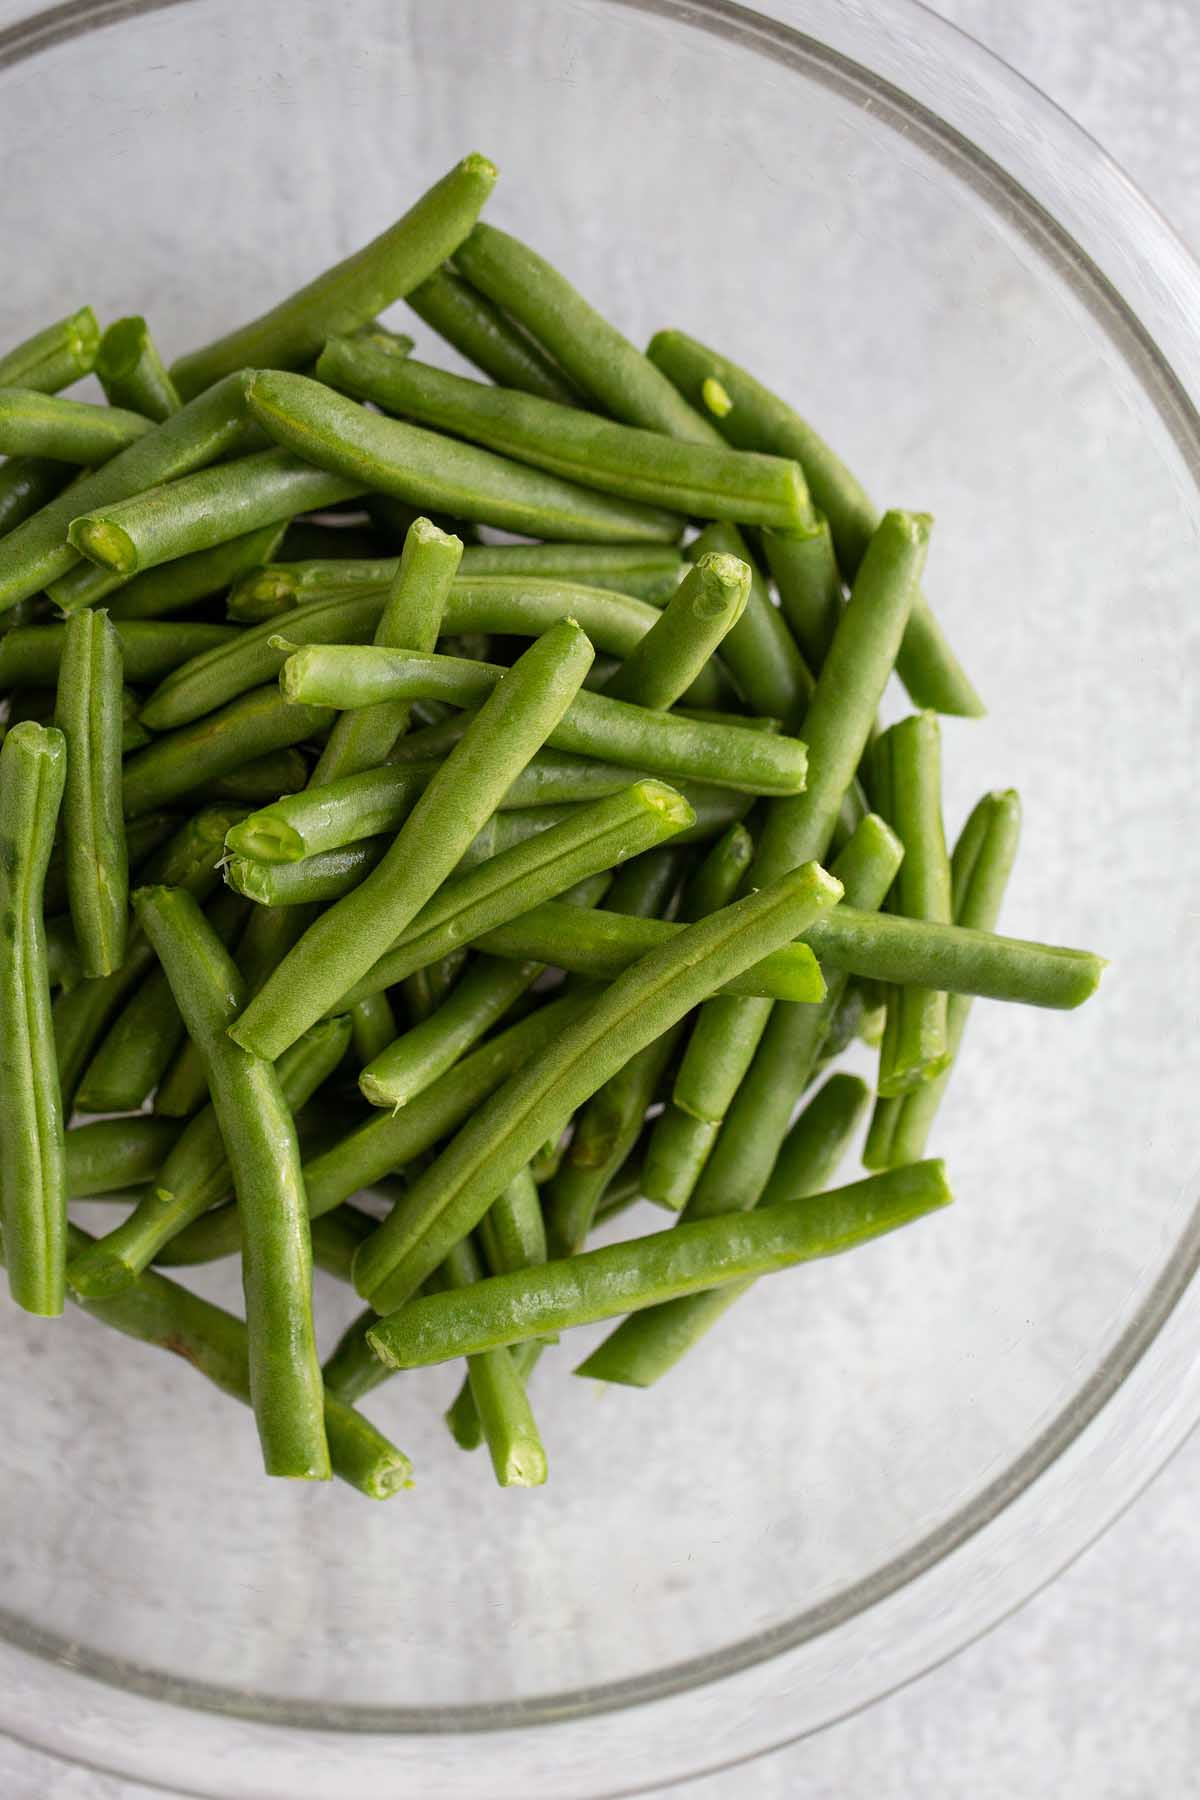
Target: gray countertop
x: 1088, y: 1692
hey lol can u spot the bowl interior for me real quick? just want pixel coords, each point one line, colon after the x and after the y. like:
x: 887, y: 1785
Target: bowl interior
x: 198, y: 161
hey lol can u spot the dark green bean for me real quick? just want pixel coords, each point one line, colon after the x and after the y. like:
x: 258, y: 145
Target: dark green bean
x: 70, y: 431
x: 132, y: 373
x: 195, y: 1174
x: 980, y: 868
x: 373, y: 1027
x: 483, y: 334
x: 395, y: 1075
x: 62, y: 955
x: 88, y: 713
x: 335, y: 1238
x: 158, y: 1311
x: 758, y: 420
x: 806, y: 574
x: 31, y: 655
x: 28, y: 483
x: 371, y: 452
x: 344, y: 943
x: 109, y: 1155
x: 594, y: 725
x: 260, y: 1142
x: 593, y: 353
x: 649, y: 1343
x: 411, y: 620
x: 55, y: 356
x: 181, y: 761
x: 760, y: 652
x: 351, y: 292
x: 172, y: 587
x: 506, y: 1309
x: 33, y: 1193
x: 426, y: 989
x: 449, y: 1199
x: 707, y: 481
x: 37, y: 552
x: 263, y: 777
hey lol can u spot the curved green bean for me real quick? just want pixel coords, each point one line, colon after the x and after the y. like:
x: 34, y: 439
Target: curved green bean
x: 31, y: 655
x: 697, y: 479
x: 667, y: 744
x: 406, y: 1067
x: 478, y: 330
x: 260, y: 1142
x: 369, y: 451
x: 70, y: 431
x: 759, y: 420
x: 108, y: 1155
x: 179, y: 762
x: 88, y: 713
x: 33, y: 1189
x: 506, y: 1309
x: 132, y: 373
x: 55, y: 356
x: 351, y: 292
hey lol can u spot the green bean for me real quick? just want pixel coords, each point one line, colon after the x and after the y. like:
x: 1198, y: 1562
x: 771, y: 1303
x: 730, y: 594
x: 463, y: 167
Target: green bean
x: 395, y: 1075
x: 28, y: 483
x: 707, y: 603
x: 351, y: 292
x: 981, y: 865
x: 387, y: 1141
x: 70, y: 431
x: 519, y: 606
x: 352, y: 1368
x: 143, y: 837
x: 31, y: 655
x: 140, y: 1044
x: 260, y: 1142
x: 719, y: 1052
x: 462, y: 1419
x: 195, y: 1174
x: 512, y: 1232
x: 344, y: 943
x: 158, y: 1311
x: 483, y: 334
x: 806, y: 574
x: 181, y: 761
x: 649, y: 1343
x: 331, y: 816
x: 203, y: 509
x: 33, y: 1203
x: 451, y: 1196
x: 890, y: 948
x: 699, y: 479
x: 679, y: 1146
x: 758, y: 420
x: 760, y: 652
x: 37, y: 552
x: 132, y: 373
x: 501, y: 1404
x: 317, y: 881
x: 191, y: 859
x: 88, y: 713
x: 172, y: 587
x: 593, y: 353
x: 372, y: 452
x: 277, y: 772
x: 411, y: 620
x: 716, y: 880
x: 426, y: 989
x: 592, y: 840
x: 335, y: 1238
x: 269, y: 934
x: 907, y: 764
x: 107, y: 1155
x: 62, y: 955
x: 54, y: 357
x: 506, y: 1309
x: 373, y: 1027
x: 665, y: 743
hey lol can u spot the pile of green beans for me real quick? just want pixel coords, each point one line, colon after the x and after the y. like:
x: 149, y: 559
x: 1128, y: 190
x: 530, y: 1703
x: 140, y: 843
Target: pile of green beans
x: 512, y: 843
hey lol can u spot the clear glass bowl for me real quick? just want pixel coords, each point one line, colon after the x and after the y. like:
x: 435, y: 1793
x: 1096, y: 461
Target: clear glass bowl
x: 874, y: 1459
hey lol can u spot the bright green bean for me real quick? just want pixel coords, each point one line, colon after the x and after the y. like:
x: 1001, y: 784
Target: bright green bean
x: 759, y: 420
x: 451, y: 1197
x: 483, y: 334
x: 37, y: 552
x: 31, y: 655
x: 806, y: 574
x: 181, y: 761
x: 172, y: 587
x: 351, y: 292
x: 708, y: 602
x: 594, y: 725
x: 195, y: 1174
x: 593, y: 353
x: 109, y: 1155
x: 506, y: 1309
x: 70, y: 431
x: 260, y: 1142
x: 55, y: 356
x: 33, y: 1189
x: 760, y: 652
x: 649, y: 1343
x: 88, y: 713
x: 372, y: 452
x: 132, y: 373
x: 417, y: 1058
x: 980, y: 868
x: 699, y: 479
x: 343, y: 812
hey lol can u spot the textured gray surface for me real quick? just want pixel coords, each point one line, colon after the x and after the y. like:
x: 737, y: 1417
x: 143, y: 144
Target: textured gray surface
x: 1087, y: 1692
